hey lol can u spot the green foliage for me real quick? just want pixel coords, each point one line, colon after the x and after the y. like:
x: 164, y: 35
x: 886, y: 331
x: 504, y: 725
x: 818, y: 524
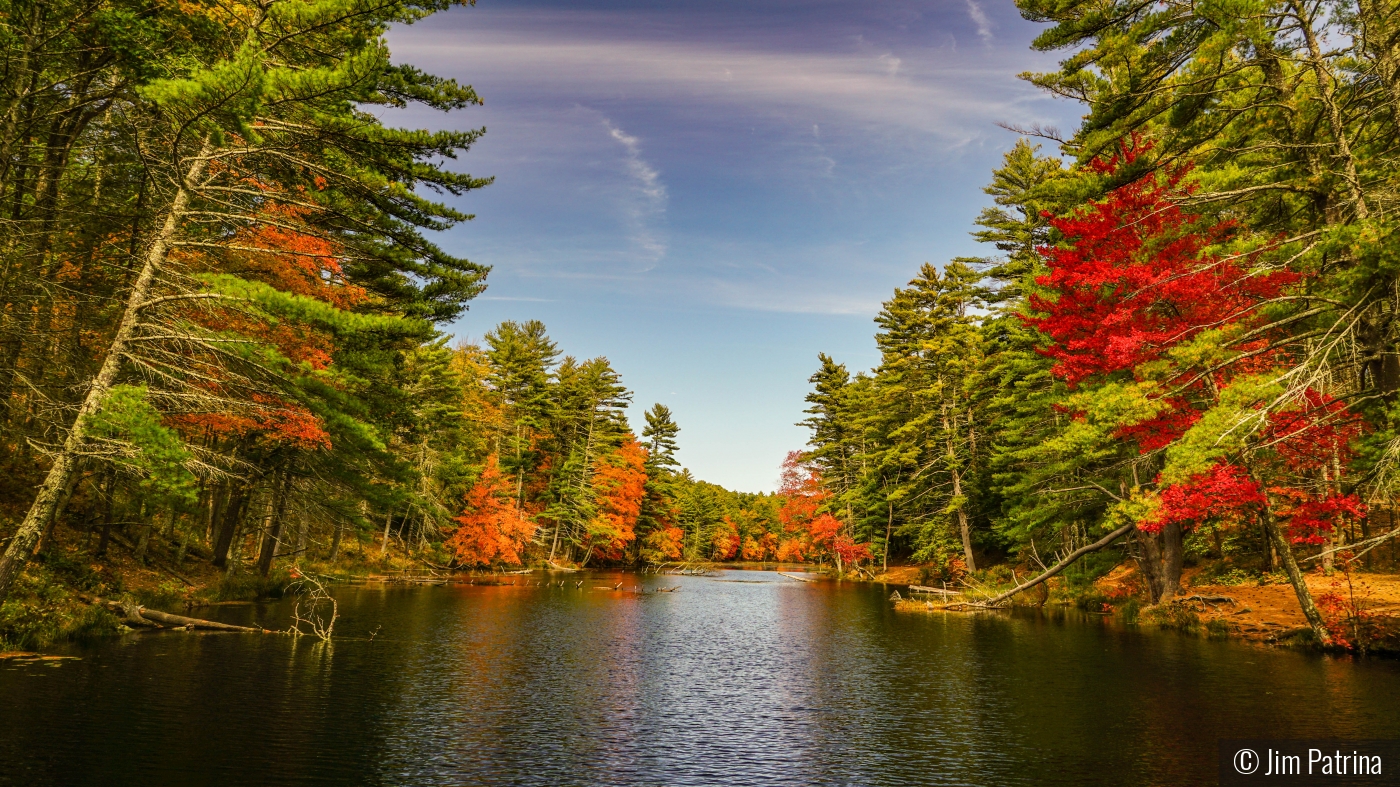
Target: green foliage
x: 42, y: 609
x: 249, y: 587
x: 153, y: 451
x: 167, y: 595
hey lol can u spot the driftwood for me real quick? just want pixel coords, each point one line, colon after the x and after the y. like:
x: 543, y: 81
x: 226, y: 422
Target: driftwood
x: 794, y: 576
x: 407, y: 579
x: 556, y: 567
x: 1062, y: 565
x: 935, y: 591
x: 669, y: 590
x: 137, y: 615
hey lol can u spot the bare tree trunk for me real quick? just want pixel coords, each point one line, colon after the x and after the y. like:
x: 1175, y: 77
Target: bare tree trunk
x: 1295, y: 578
x: 963, y: 524
x: 273, y: 531
x: 335, y: 541
x: 233, y: 512
x: 148, y: 524
x: 1327, y: 93
x: 1063, y: 564
x: 889, y: 526
x: 65, y: 461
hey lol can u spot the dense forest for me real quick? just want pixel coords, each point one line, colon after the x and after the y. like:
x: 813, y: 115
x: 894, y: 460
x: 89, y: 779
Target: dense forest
x: 1186, y: 335
x: 222, y: 319
x: 223, y: 314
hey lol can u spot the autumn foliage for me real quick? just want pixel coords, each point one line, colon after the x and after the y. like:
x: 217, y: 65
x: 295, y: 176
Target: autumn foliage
x: 491, y: 528
x: 620, y: 481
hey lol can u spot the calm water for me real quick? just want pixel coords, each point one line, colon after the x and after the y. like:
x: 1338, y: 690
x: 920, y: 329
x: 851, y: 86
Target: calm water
x: 747, y: 678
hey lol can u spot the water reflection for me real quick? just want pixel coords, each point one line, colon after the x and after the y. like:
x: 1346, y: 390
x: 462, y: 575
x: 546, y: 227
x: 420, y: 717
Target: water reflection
x: 756, y: 680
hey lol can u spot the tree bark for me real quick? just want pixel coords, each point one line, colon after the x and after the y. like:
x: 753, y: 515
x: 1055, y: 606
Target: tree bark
x: 1295, y: 578
x: 1159, y: 560
x: 66, y: 460
x: 963, y: 525
x: 233, y: 512
x: 271, y: 537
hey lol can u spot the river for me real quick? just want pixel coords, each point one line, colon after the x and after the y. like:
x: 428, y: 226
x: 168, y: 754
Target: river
x: 745, y: 678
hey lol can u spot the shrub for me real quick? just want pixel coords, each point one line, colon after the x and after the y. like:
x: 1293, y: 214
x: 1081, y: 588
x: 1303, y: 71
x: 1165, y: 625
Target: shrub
x: 1129, y: 611
x: 248, y: 587
x: 168, y: 594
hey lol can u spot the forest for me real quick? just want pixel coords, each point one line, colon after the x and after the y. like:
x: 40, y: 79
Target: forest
x: 222, y: 325
x: 223, y: 314
x: 1182, y: 340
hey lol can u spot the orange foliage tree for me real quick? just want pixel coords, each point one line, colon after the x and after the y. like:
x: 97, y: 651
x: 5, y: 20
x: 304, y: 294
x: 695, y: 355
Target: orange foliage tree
x: 491, y: 528
x: 619, y: 481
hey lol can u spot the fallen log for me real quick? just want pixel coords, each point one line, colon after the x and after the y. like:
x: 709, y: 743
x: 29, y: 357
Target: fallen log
x: 556, y: 567
x: 151, y: 618
x: 794, y: 576
x: 936, y: 591
x: 1062, y: 565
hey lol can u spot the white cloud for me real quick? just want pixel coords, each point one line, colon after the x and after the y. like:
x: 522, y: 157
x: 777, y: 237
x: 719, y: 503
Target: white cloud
x: 953, y: 95
x: 979, y: 18
x: 648, y: 202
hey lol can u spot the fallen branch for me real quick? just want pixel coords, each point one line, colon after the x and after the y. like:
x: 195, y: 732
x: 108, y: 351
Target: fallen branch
x: 794, y: 576
x: 151, y: 618
x: 936, y: 591
x: 1063, y: 564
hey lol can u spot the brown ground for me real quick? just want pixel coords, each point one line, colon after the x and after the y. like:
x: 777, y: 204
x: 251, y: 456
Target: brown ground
x: 1260, y: 613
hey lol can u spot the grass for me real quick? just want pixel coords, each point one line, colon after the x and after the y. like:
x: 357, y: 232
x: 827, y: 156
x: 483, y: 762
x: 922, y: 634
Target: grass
x: 42, y: 609
x: 248, y: 587
x: 166, y: 595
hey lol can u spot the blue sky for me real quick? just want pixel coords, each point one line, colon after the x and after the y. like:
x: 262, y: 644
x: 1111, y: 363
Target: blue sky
x: 709, y: 194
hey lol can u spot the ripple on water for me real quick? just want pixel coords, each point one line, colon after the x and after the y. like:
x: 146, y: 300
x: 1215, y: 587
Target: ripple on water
x: 737, y: 680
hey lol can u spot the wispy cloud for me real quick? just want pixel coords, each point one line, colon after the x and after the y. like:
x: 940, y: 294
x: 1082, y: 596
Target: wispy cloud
x: 979, y: 18
x: 942, y: 93
x: 648, y: 201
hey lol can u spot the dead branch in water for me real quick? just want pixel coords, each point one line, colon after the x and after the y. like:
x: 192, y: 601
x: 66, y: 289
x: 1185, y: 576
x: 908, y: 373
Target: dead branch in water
x: 1062, y: 565
x: 315, y: 599
x: 137, y: 615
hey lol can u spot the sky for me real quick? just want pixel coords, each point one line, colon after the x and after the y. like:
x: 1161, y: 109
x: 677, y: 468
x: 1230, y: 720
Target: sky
x: 711, y: 193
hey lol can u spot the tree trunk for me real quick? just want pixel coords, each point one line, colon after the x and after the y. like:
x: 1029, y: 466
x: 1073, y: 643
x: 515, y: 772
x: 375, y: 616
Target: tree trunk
x: 1159, y: 560
x: 271, y: 534
x: 889, y: 526
x: 233, y: 512
x: 963, y: 525
x: 1062, y: 565
x: 143, y: 541
x: 108, y: 513
x: 1295, y: 578
x: 335, y: 541
x: 65, y: 461
x: 384, y: 548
